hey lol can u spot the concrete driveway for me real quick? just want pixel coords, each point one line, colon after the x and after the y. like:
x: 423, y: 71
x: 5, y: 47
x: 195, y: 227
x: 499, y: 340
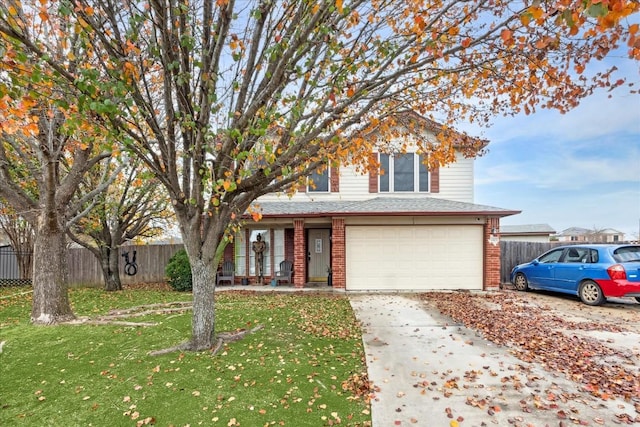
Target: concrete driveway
x: 429, y: 371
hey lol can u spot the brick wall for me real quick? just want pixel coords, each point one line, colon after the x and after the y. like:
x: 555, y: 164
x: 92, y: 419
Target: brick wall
x: 491, y: 254
x: 300, y: 254
x: 338, y: 252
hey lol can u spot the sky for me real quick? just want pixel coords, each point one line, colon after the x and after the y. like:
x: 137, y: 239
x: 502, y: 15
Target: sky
x: 580, y: 169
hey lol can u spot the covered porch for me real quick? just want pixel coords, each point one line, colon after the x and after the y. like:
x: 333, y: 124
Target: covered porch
x: 314, y: 247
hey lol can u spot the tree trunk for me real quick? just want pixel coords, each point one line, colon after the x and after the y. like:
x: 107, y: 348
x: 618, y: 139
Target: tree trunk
x: 204, y: 316
x: 110, y: 264
x: 50, y: 296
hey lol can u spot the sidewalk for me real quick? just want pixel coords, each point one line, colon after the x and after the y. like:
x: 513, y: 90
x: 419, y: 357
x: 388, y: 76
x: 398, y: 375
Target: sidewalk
x: 430, y: 372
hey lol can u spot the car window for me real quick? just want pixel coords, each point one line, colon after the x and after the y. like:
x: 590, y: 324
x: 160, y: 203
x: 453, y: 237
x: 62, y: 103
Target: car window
x: 592, y: 256
x: 549, y: 257
x: 576, y: 255
x: 627, y: 254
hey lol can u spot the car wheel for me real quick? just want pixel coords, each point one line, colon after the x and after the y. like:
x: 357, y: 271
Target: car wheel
x: 590, y: 293
x: 638, y: 299
x: 521, y: 282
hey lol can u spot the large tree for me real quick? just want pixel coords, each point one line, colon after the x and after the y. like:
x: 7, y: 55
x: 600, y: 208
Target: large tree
x: 134, y: 206
x: 226, y: 101
x: 47, y: 145
x: 37, y: 146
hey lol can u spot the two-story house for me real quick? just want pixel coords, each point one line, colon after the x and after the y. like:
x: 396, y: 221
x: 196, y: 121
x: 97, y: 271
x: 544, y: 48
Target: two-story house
x: 399, y: 228
x: 579, y: 234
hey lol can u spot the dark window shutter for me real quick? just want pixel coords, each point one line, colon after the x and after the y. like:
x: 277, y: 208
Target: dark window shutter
x: 373, y: 174
x: 435, y: 180
x: 334, y: 176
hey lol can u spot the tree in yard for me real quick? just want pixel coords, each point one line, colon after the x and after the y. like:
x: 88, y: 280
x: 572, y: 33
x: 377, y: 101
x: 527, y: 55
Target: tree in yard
x: 226, y: 101
x: 135, y: 205
x: 46, y: 147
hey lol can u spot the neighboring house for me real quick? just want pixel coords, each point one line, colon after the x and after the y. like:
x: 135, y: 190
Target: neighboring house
x: 408, y: 228
x: 526, y: 233
x: 578, y: 234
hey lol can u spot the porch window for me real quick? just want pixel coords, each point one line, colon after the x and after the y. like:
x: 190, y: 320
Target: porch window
x: 403, y: 173
x: 240, y: 254
x: 242, y: 249
x: 266, y: 238
x: 319, y: 181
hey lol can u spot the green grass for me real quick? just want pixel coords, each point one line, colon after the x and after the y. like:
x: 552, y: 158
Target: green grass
x: 301, y: 369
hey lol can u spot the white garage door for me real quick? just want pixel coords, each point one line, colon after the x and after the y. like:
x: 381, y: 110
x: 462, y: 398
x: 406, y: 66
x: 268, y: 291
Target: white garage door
x: 414, y: 257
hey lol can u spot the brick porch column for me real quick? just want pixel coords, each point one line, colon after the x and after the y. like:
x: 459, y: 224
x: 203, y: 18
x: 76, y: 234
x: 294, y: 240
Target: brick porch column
x: 299, y: 254
x: 492, y: 255
x: 338, y: 254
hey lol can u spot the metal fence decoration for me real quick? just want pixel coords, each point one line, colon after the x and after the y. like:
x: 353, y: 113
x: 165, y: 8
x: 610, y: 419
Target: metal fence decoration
x: 16, y: 267
x: 130, y: 266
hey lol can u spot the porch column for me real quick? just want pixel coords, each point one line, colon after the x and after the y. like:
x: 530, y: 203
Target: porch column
x: 299, y: 254
x: 492, y: 276
x: 338, y: 254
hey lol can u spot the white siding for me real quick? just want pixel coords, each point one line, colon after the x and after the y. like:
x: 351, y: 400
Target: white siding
x: 456, y: 183
x: 456, y: 180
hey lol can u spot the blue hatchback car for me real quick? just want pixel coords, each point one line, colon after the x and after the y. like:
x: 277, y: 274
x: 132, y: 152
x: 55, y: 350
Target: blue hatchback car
x: 592, y: 272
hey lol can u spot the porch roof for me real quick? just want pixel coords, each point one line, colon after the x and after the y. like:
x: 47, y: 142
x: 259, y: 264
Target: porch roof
x: 379, y: 206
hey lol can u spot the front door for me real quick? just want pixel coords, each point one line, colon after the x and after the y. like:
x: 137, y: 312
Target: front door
x: 319, y: 254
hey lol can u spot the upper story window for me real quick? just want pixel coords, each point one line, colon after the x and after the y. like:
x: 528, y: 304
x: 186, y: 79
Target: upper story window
x: 403, y: 173
x: 319, y: 181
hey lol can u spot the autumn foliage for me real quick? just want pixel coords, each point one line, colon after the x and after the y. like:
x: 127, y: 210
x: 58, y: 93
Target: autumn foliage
x: 226, y: 101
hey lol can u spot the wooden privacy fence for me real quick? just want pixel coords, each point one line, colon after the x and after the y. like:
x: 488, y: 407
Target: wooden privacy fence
x: 151, y: 260
x: 514, y: 253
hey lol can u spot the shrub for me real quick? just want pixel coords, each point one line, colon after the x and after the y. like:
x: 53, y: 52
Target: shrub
x: 178, y: 272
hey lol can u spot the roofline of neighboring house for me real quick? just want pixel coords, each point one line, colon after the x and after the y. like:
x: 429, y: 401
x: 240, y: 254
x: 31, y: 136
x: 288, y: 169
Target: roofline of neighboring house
x: 527, y: 233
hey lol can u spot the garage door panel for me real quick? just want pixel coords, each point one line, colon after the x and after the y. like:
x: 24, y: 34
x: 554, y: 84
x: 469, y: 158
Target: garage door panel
x: 414, y: 257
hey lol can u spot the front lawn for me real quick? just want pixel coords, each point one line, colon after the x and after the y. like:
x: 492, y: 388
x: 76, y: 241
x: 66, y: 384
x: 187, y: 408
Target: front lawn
x: 305, y: 367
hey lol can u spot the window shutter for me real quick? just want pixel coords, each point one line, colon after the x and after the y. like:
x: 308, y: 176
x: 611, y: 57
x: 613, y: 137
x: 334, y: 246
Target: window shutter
x: 334, y: 178
x: 373, y: 174
x: 435, y: 180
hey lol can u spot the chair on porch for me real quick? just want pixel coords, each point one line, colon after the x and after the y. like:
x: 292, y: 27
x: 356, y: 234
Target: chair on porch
x: 226, y: 273
x: 285, y: 272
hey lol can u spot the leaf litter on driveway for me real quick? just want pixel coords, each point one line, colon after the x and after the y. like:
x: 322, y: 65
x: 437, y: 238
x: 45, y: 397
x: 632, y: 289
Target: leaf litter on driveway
x: 481, y: 359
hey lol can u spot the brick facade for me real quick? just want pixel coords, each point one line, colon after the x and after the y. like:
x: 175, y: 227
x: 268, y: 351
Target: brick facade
x: 492, y: 254
x: 338, y: 252
x: 300, y: 254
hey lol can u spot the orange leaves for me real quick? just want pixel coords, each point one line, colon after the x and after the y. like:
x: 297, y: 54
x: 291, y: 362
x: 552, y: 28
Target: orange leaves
x: 130, y: 72
x: 536, y: 12
x: 634, y: 42
x: 339, y: 6
x: 350, y: 91
x: 544, y: 42
x: 419, y: 22
x: 27, y: 103
x: 16, y: 117
x: 505, y: 35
